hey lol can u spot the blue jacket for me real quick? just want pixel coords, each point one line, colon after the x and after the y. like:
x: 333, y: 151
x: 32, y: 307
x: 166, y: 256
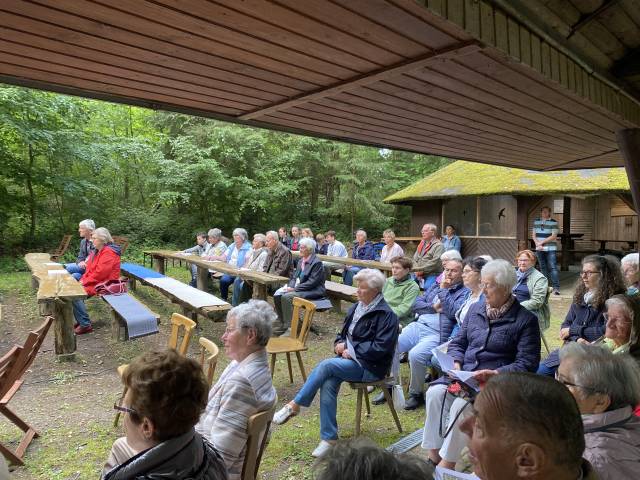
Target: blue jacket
x: 86, y: 247
x: 242, y: 253
x: 451, y: 299
x: 510, y: 344
x: 374, y: 337
x: 311, y: 284
x: 584, y: 322
x: 451, y: 244
x: 365, y: 252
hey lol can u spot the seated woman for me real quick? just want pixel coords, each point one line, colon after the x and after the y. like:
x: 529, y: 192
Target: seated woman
x: 400, y: 290
x: 498, y: 335
x: 622, y: 329
x: 103, y: 264
x: 391, y: 249
x: 166, y: 393
x: 631, y: 272
x: 364, y: 351
x: 606, y: 388
x: 450, y: 241
x: 306, y: 232
x: 307, y: 282
x: 255, y: 260
x: 244, y: 388
x: 321, y: 244
x: 235, y: 255
x: 531, y: 290
x: 362, y: 250
x: 470, y: 279
x: 600, y: 279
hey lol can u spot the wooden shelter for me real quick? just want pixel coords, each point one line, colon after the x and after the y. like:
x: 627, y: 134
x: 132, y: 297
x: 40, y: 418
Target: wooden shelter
x: 493, y: 208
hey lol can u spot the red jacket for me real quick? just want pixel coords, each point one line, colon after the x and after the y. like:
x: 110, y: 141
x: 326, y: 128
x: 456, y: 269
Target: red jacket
x: 101, y: 266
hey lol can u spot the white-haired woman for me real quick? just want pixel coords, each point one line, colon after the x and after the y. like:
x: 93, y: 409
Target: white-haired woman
x: 498, y: 335
x: 254, y: 261
x: 362, y: 250
x: 364, y: 351
x: 235, y: 255
x: 307, y: 282
x: 607, y: 389
x: 631, y: 272
x: 103, y: 264
x: 391, y: 249
x: 85, y: 230
x: 244, y: 388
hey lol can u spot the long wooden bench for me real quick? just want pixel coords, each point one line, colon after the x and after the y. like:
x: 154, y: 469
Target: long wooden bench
x: 120, y: 318
x: 338, y: 292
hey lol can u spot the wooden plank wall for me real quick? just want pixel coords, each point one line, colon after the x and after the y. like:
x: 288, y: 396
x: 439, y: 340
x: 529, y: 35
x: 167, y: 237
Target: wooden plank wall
x: 425, y: 212
x: 496, y: 247
x: 608, y: 227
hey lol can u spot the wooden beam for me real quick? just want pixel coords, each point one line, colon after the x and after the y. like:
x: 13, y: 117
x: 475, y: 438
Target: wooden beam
x: 629, y: 143
x: 628, y: 65
x: 586, y: 18
x: 627, y: 199
x: 406, y: 66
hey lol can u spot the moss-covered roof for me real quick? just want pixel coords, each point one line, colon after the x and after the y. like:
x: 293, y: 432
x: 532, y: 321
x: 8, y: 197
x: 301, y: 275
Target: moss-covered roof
x: 462, y: 178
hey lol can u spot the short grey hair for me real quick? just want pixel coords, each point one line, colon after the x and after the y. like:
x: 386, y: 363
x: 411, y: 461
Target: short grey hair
x: 372, y: 277
x: 390, y: 233
x: 600, y: 371
x: 103, y: 234
x: 619, y: 302
x: 240, y: 231
x: 256, y: 314
x: 91, y: 225
x: 502, y: 272
x: 631, y: 259
x: 309, y: 243
x: 273, y: 234
x: 215, y: 232
x: 363, y: 232
x: 260, y: 237
x: 451, y: 255
x: 431, y: 226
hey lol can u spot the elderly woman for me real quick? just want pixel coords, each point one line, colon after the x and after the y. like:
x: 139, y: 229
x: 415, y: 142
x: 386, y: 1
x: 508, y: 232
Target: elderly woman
x: 254, y: 261
x: 364, y: 352
x: 532, y: 288
x: 498, y: 335
x: 600, y: 279
x: 307, y: 282
x: 244, y: 388
x: 103, y: 264
x: 606, y: 388
x: 362, y: 250
x: 166, y: 393
x: 235, y: 255
x: 622, y: 329
x: 400, y: 290
x: 451, y: 241
x: 629, y: 264
x: 391, y: 249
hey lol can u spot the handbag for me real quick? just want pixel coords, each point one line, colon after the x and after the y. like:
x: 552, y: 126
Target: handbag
x: 112, y: 287
x: 397, y: 395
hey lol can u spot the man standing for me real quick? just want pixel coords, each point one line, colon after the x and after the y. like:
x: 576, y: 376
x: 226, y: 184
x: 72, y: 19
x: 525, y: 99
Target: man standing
x: 545, y: 233
x: 85, y: 230
x: 335, y: 248
x: 427, y: 255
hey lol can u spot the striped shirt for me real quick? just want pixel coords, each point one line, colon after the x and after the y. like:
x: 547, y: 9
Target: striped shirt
x: 544, y: 228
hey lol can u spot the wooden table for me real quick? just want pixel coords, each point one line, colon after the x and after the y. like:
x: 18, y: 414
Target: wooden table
x: 56, y: 292
x: 260, y: 280
x: 603, y: 245
x: 382, y: 266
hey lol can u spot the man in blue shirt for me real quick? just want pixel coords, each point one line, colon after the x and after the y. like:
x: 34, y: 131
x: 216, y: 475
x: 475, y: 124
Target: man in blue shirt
x: 545, y: 233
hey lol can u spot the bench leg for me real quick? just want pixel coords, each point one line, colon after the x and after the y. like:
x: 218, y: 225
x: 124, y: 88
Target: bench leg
x: 132, y: 284
x: 259, y: 291
x: 358, y: 411
x: 336, y: 304
x: 301, y: 365
x: 158, y: 264
x: 65, y: 338
x: 202, y: 278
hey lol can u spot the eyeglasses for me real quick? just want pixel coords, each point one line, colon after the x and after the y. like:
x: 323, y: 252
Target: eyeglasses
x: 587, y: 273
x: 566, y: 383
x: 622, y: 321
x: 488, y: 286
x: 121, y: 408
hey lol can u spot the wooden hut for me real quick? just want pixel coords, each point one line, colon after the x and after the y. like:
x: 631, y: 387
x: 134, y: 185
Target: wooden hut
x: 493, y: 208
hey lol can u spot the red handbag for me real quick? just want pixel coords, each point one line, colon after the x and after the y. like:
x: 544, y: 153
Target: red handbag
x: 112, y: 287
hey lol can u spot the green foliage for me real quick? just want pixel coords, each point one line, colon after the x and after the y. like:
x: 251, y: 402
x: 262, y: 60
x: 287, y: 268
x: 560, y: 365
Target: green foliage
x: 161, y: 177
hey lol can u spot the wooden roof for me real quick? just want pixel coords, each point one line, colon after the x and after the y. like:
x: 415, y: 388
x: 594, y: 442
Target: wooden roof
x: 456, y: 78
x: 465, y: 179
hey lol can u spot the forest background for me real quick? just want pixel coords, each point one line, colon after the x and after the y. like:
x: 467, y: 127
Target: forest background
x: 160, y: 177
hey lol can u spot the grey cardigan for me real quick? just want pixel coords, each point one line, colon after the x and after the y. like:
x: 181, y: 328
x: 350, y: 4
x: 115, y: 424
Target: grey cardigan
x: 538, y: 302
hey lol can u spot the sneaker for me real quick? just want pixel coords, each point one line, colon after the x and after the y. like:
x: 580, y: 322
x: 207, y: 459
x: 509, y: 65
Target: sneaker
x: 283, y: 415
x: 322, y: 449
x: 82, y: 330
x: 414, y: 402
x: 556, y: 291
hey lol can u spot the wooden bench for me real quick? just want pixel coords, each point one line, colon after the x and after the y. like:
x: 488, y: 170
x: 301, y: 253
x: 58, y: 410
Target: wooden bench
x: 62, y: 248
x: 338, y: 292
x: 119, y: 323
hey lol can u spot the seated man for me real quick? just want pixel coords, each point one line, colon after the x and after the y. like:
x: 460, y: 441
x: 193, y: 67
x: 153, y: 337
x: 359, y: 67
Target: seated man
x: 166, y: 393
x: 525, y: 426
x: 436, y: 311
x: 85, y: 229
x: 244, y: 388
x: 279, y: 260
x: 335, y: 248
x: 199, y: 249
x: 362, y: 250
x: 307, y: 282
x: 427, y: 255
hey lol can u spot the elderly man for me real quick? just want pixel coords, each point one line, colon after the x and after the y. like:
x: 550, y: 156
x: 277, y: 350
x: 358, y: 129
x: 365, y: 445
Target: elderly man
x: 436, y: 311
x: 524, y: 426
x: 215, y: 246
x: 629, y: 264
x: 427, y: 255
x: 85, y: 230
x: 335, y: 248
x: 279, y: 260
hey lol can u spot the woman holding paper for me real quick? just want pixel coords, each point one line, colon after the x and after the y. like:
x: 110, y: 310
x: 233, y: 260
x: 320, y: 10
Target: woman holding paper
x: 498, y: 335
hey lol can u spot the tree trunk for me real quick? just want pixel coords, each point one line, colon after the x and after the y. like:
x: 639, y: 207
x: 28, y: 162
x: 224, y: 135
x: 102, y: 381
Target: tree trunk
x: 32, y: 196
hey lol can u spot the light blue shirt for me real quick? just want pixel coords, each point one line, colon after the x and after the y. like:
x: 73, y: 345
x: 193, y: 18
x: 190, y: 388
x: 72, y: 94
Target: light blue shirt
x: 337, y: 249
x: 452, y: 243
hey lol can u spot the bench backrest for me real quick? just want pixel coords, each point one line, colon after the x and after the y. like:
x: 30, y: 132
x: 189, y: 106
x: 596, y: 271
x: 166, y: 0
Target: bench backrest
x: 62, y: 247
x: 9, y: 368
x: 32, y: 345
x: 123, y: 242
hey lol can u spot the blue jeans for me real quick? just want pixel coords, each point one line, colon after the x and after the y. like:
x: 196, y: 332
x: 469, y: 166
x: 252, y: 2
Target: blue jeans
x: 546, y: 371
x: 80, y: 313
x: 327, y: 377
x: 239, y: 294
x: 417, y: 339
x: 225, y: 282
x: 75, y: 270
x: 549, y: 267
x: 349, y: 273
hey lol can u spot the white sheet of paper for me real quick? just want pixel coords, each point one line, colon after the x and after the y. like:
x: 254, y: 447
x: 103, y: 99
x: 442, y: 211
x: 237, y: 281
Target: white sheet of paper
x: 444, y: 359
x: 446, y: 474
x: 51, y: 264
x: 281, y: 291
x: 57, y: 272
x: 446, y: 362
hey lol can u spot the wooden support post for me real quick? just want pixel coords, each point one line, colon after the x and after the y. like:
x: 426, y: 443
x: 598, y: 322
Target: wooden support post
x: 566, y: 230
x: 629, y: 143
x: 336, y: 304
x: 34, y: 283
x: 202, y: 278
x: 158, y: 264
x: 65, y: 338
x: 259, y: 291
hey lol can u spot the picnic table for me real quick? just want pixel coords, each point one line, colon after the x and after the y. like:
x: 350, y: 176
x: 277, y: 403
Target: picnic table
x: 260, y: 280
x: 57, y: 289
x: 382, y: 266
x: 603, y: 245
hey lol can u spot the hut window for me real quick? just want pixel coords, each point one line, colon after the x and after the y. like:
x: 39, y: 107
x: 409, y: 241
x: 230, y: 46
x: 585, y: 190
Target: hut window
x: 461, y: 213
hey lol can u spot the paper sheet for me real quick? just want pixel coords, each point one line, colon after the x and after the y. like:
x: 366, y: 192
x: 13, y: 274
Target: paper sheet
x: 446, y: 474
x: 57, y: 272
x: 447, y: 364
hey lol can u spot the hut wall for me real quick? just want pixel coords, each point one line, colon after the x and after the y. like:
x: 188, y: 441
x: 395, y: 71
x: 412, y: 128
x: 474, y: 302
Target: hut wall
x: 505, y: 248
x: 611, y: 223
x: 582, y: 218
x: 425, y: 212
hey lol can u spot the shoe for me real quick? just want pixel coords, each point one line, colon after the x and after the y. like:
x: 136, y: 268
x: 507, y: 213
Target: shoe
x: 556, y: 291
x: 322, y: 449
x: 414, y: 402
x: 80, y: 330
x: 404, y: 357
x: 380, y: 399
x: 283, y: 415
